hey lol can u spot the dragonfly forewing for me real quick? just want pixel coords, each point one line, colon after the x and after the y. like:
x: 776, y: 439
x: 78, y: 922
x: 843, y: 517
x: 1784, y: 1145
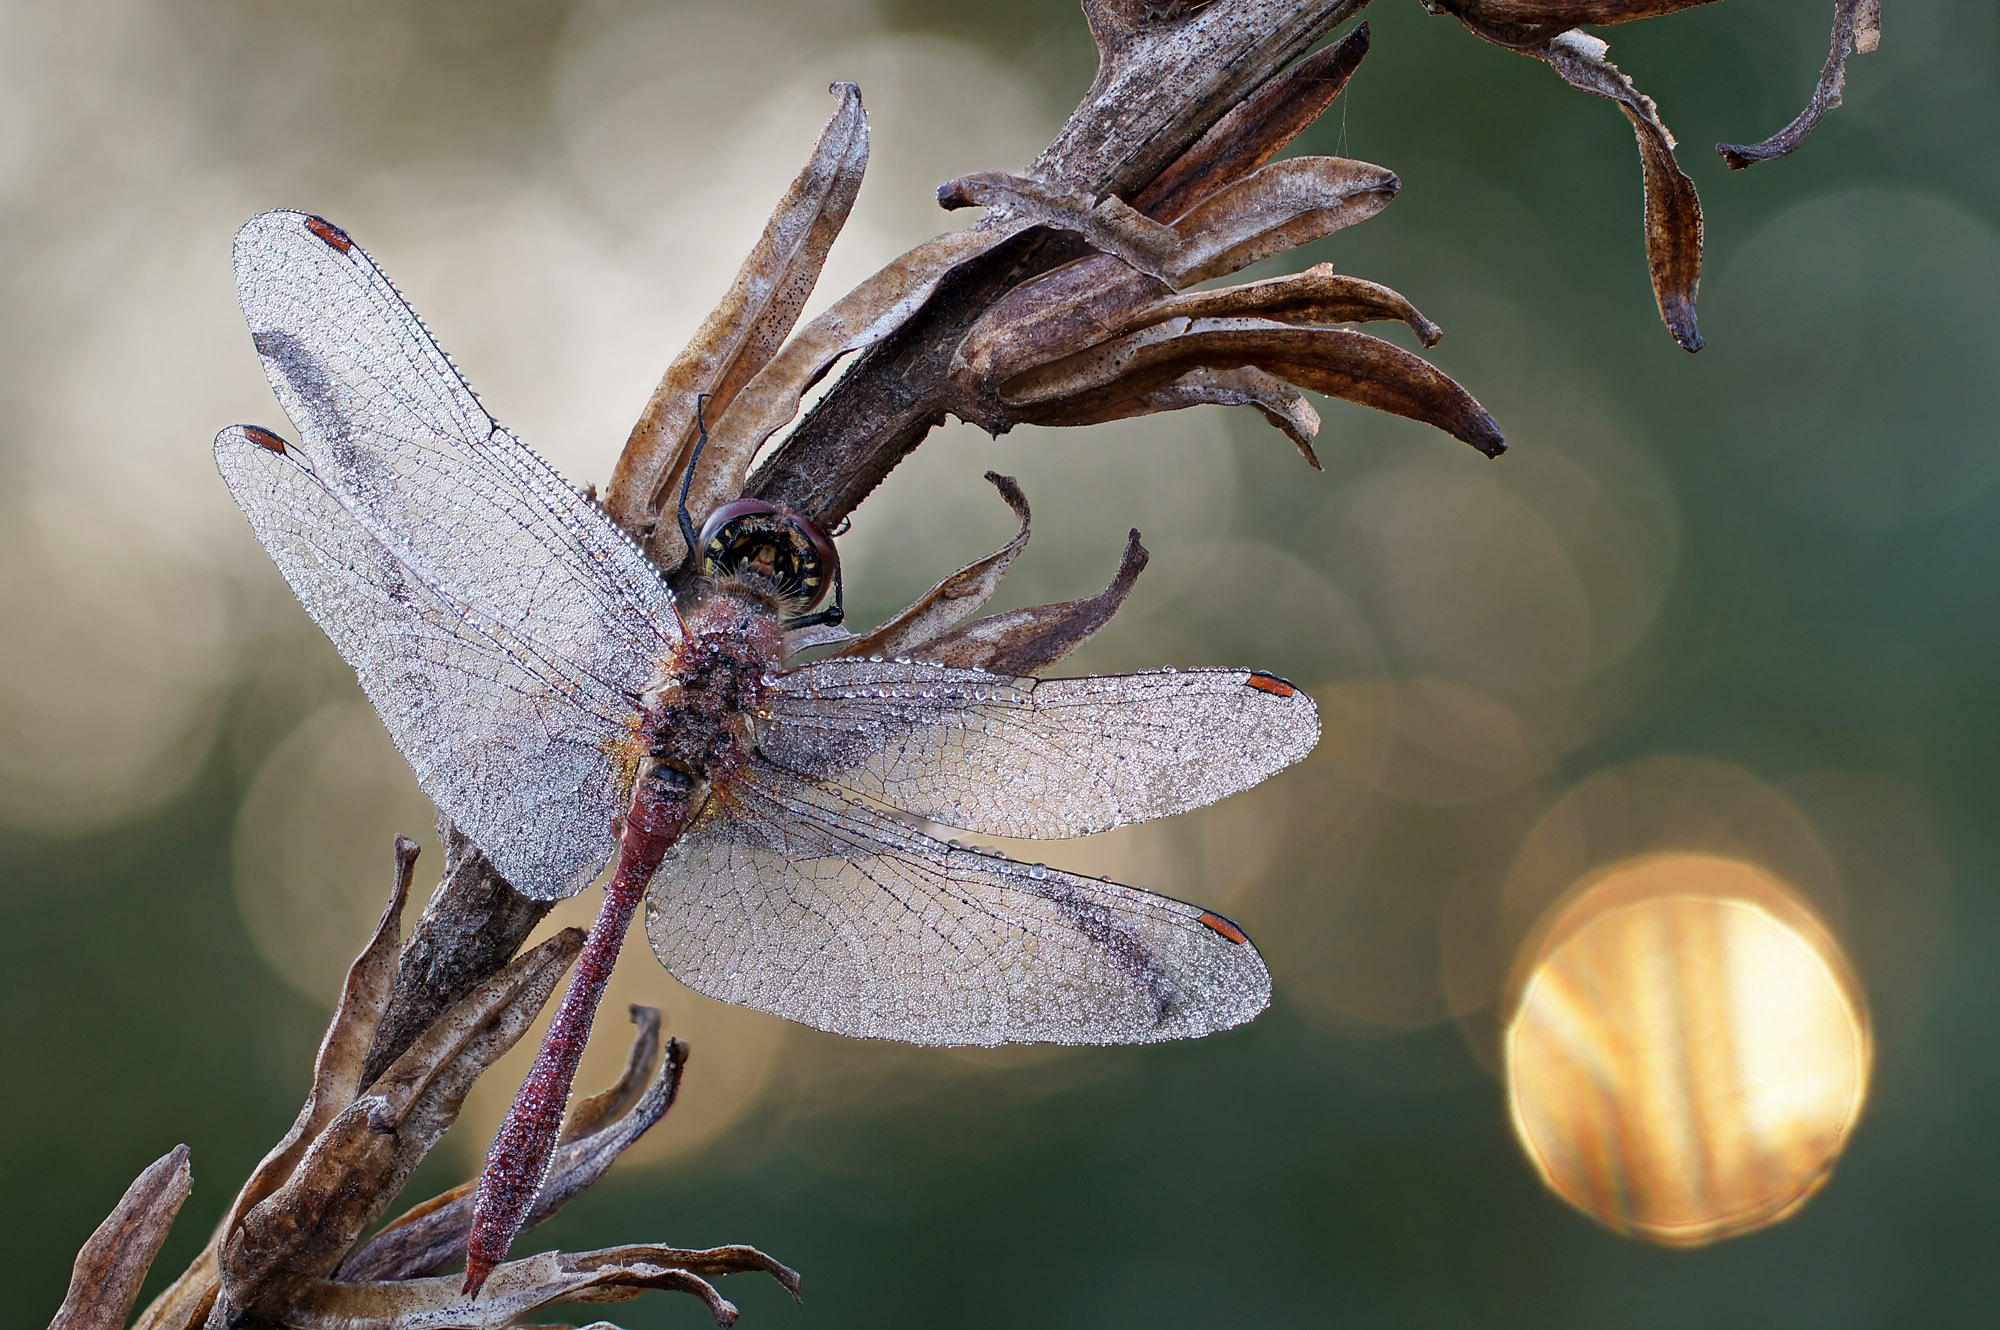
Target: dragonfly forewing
x: 1035, y: 758
x: 497, y: 618
x: 791, y: 898
x: 389, y: 427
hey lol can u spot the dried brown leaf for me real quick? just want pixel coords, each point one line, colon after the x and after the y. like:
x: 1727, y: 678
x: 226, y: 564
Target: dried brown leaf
x: 1857, y: 28
x: 519, y: 1288
x: 355, y: 1167
x: 957, y: 596
x: 1282, y: 404
x: 104, y: 1282
x: 641, y: 1062
x: 1275, y: 208
x: 816, y: 635
x: 1673, y: 210
x: 1279, y: 206
x: 426, y: 1238
x: 1094, y: 298
x: 1319, y: 295
x: 1031, y: 640
x: 432, y: 1236
x: 1092, y: 301
x: 1254, y: 129
x: 742, y: 333
x: 1340, y: 362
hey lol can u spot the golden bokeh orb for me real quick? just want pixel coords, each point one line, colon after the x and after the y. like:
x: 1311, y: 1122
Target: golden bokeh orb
x: 1686, y: 1049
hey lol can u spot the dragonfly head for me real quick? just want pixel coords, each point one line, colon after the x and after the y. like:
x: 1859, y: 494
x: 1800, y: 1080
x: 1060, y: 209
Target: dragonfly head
x: 768, y: 543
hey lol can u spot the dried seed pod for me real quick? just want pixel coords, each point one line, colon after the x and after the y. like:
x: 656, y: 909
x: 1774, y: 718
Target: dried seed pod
x: 1673, y: 209
x: 1336, y: 361
x: 105, y: 1280
x: 1031, y: 640
x: 956, y: 597
x: 1282, y: 404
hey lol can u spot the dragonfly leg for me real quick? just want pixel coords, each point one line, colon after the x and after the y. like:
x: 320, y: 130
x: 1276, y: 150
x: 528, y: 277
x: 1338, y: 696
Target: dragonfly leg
x: 526, y: 1141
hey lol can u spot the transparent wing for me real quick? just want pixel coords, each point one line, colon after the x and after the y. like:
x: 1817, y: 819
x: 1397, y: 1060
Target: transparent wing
x: 1036, y: 758
x: 787, y: 897
x: 532, y: 769
x: 390, y: 430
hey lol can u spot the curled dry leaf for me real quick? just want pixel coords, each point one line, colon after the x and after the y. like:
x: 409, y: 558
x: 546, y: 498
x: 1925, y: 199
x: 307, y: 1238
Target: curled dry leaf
x: 816, y: 635
x: 519, y: 1288
x: 641, y: 1062
x: 1857, y: 28
x: 1337, y: 361
x: 1086, y: 303
x: 1673, y: 210
x: 353, y: 1168
x: 1282, y: 404
x: 432, y: 1236
x: 343, y: 1049
x: 742, y: 333
x: 1028, y: 641
x: 1255, y: 129
x: 104, y: 1282
x: 1317, y: 296
x: 1276, y: 208
x: 337, y: 1078
x: 957, y: 596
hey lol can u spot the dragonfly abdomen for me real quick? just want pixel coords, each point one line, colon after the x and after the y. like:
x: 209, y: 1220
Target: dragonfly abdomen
x: 519, y: 1158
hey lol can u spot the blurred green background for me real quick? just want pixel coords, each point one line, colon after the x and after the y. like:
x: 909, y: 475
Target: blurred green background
x: 1751, y: 587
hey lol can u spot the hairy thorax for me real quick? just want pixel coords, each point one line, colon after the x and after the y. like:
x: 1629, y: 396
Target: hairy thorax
x: 701, y: 716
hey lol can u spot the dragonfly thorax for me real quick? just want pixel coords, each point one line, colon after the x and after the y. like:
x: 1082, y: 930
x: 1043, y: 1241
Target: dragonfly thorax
x: 701, y: 720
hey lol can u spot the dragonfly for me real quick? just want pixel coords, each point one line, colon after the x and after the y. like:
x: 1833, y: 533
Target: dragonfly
x: 565, y: 708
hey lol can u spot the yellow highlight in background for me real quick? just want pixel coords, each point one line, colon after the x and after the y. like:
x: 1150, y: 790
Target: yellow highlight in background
x: 1687, y: 1050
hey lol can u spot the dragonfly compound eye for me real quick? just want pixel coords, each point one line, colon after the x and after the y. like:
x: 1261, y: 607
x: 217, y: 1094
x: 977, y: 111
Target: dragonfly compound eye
x: 751, y: 538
